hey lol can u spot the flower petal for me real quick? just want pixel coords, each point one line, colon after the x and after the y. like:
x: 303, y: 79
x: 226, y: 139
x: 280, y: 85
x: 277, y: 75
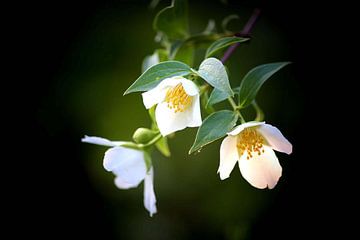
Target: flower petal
x: 101, y: 141
x: 240, y: 128
x: 168, y: 121
x: 152, y: 97
x: 228, y: 156
x: 158, y: 94
x: 127, y: 163
x: 261, y: 171
x: 149, y: 194
x: 190, y: 87
x: 275, y: 138
x: 195, y: 112
x: 122, y: 184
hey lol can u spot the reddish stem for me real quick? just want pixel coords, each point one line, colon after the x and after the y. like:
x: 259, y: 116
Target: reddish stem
x: 244, y: 33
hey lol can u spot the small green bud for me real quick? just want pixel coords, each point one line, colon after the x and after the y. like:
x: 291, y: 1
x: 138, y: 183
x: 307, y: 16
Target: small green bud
x: 143, y: 135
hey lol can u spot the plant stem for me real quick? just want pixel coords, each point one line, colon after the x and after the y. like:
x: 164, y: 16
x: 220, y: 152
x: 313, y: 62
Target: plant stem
x: 236, y: 109
x: 233, y: 104
x: 153, y: 141
x: 242, y: 119
x: 259, y: 112
x: 245, y: 32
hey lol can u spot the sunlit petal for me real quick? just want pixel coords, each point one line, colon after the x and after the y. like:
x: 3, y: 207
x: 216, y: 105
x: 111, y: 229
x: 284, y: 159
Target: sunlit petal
x: 240, y: 128
x: 149, y: 194
x: 275, y: 138
x: 101, y: 141
x: 168, y: 121
x: 157, y: 94
x: 261, y: 171
x: 195, y: 113
x: 190, y: 87
x: 228, y: 157
x: 122, y: 184
x: 127, y: 163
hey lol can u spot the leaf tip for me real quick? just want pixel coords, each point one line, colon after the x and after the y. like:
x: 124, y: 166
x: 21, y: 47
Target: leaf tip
x: 192, y: 150
x: 127, y: 91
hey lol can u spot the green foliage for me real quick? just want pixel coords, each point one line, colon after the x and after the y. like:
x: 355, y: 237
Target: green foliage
x: 173, y: 20
x: 151, y: 77
x: 223, y: 43
x: 163, y: 55
x: 218, y: 96
x: 213, y: 72
x: 163, y: 147
x: 204, y: 102
x: 183, y: 51
x: 215, y: 126
x: 254, y: 79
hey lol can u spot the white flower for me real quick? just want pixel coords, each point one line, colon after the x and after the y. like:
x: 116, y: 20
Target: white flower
x: 178, y: 104
x: 251, y: 145
x: 129, y: 167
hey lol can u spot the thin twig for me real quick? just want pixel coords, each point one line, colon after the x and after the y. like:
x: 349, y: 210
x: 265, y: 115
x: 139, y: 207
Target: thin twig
x: 244, y: 33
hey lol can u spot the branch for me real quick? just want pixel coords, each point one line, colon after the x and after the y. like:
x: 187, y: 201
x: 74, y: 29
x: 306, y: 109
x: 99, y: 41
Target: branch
x: 244, y: 33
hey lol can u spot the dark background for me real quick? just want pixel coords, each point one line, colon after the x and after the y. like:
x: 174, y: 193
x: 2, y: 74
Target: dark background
x: 80, y: 56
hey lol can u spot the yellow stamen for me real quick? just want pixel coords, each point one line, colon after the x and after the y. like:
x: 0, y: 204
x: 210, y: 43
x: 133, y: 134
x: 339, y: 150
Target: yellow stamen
x: 177, y: 98
x: 251, y: 142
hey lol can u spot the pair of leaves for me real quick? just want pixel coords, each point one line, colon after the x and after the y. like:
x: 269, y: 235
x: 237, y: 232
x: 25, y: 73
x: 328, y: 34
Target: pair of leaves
x: 211, y: 70
x: 250, y: 84
x: 216, y: 125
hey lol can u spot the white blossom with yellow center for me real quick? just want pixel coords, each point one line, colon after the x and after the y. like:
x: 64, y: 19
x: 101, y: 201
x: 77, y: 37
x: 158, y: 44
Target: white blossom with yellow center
x: 251, y: 145
x: 129, y: 167
x: 178, y: 104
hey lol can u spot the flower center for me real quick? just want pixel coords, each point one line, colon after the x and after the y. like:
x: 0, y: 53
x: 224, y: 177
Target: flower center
x: 251, y: 142
x: 177, y: 98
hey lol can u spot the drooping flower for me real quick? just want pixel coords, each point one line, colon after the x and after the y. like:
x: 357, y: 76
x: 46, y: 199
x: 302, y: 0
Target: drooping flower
x: 129, y: 167
x: 178, y: 104
x: 251, y: 145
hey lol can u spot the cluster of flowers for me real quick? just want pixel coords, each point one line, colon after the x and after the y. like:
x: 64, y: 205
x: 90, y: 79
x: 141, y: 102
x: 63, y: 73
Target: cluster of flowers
x: 177, y: 101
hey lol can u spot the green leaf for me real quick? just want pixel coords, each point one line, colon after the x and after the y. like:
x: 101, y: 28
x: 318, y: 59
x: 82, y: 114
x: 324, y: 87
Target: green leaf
x: 204, y: 99
x: 222, y: 43
x: 173, y: 20
x: 185, y: 54
x: 254, y: 79
x: 163, y: 147
x: 151, y: 77
x: 182, y: 51
x: 215, y: 126
x: 218, y: 96
x: 213, y: 72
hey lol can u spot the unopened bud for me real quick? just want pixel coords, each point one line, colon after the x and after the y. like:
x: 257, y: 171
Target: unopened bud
x: 143, y: 135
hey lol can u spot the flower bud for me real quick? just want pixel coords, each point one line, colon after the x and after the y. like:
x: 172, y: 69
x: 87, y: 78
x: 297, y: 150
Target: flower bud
x: 143, y: 135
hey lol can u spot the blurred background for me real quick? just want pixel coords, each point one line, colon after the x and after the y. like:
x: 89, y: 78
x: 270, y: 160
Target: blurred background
x: 85, y: 55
